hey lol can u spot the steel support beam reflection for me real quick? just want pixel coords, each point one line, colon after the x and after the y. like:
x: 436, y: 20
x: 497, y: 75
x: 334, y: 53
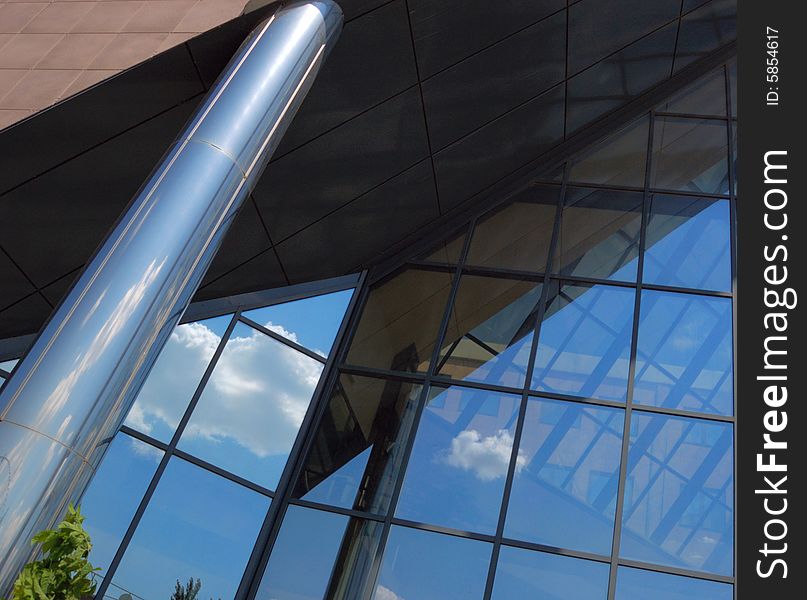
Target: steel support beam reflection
x: 71, y: 392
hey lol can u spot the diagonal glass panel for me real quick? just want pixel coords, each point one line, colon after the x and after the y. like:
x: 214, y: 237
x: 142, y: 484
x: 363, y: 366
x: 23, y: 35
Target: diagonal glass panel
x: 357, y: 452
x: 490, y: 330
x: 420, y: 565
x: 190, y: 530
x: 679, y: 499
x: 8, y: 365
x: 336, y: 566
x: 311, y: 322
x: 684, y: 354
x: 456, y: 472
x: 175, y: 376
x: 707, y: 97
x: 688, y: 243
x: 115, y: 491
x: 599, y: 234
x: 690, y: 155
x: 527, y: 574
x: 619, y: 160
x: 584, y: 344
x: 565, y: 485
x: 400, y: 321
x: 252, y: 406
x: 640, y: 584
x: 518, y: 235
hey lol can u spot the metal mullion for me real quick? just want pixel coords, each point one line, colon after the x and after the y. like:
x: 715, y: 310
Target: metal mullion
x: 348, y: 512
x: 267, y: 535
x: 361, y: 371
x: 139, y: 435
x: 534, y: 546
x: 410, y: 442
x: 636, y: 564
x: 169, y: 450
x: 277, y: 337
x: 207, y: 466
x: 665, y: 114
x: 734, y: 272
x: 470, y: 535
x: 428, y: 265
x: 678, y: 412
x: 525, y: 392
x: 623, y: 461
x: 503, y: 273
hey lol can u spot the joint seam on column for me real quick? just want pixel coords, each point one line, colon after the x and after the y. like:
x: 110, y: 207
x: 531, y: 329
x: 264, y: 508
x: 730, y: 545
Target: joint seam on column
x: 52, y: 439
x: 221, y: 150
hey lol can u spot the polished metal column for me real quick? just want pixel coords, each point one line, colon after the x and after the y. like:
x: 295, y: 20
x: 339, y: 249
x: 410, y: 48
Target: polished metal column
x: 75, y: 386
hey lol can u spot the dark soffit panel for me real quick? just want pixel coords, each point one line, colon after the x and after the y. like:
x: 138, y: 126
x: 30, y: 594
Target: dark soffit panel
x: 364, y: 165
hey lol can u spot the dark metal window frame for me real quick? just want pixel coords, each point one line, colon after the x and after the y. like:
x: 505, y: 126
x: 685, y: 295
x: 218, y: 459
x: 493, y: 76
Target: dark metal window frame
x: 430, y: 378
x: 235, y: 306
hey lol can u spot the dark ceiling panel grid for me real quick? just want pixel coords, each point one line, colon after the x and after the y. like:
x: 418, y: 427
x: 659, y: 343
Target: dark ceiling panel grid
x: 95, y: 186
x: 97, y: 115
x: 353, y: 171
x: 447, y: 31
x: 393, y: 210
x: 598, y: 28
x: 370, y: 64
x: 335, y: 168
x: 490, y: 83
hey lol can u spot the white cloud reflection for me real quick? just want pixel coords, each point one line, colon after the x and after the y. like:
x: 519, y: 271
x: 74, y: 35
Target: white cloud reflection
x: 257, y: 395
x: 487, y: 457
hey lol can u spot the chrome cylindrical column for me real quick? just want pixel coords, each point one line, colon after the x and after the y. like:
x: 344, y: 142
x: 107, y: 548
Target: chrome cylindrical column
x: 73, y: 389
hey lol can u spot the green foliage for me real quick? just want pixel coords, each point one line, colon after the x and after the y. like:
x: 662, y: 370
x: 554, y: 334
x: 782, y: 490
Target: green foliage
x: 189, y: 592
x: 63, y: 572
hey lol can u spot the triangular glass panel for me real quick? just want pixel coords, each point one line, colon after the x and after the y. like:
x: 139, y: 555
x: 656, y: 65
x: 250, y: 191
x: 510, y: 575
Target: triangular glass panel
x: 311, y: 322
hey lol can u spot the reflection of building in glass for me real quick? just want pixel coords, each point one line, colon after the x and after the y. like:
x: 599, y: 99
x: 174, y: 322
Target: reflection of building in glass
x: 535, y: 400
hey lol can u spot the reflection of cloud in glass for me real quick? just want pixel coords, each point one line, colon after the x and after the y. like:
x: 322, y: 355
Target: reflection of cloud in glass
x: 174, y: 378
x: 257, y: 396
x: 241, y: 388
x: 487, y: 457
x: 383, y: 593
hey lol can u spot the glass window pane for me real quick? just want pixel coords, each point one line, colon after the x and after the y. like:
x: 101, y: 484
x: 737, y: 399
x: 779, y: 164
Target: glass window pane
x: 447, y: 251
x: 320, y: 555
x: 8, y: 365
x: 115, y: 491
x: 430, y: 566
x: 639, y: 584
x: 619, y: 160
x: 707, y: 96
x: 690, y: 155
x: 174, y: 378
x: 400, y: 321
x: 456, y: 472
x: 733, y: 87
x: 198, y: 525
x: 355, y: 459
x: 564, y: 490
x: 688, y: 243
x: 518, y: 235
x: 599, y: 234
x: 679, y: 495
x: 490, y: 330
x: 524, y: 574
x: 252, y: 406
x: 684, y: 354
x: 311, y: 322
x: 584, y: 344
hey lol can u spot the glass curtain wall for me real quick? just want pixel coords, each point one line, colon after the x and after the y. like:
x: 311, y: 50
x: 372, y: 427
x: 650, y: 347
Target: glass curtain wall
x: 541, y: 405
x: 178, y: 501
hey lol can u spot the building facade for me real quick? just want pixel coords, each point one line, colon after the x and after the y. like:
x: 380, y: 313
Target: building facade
x: 532, y: 397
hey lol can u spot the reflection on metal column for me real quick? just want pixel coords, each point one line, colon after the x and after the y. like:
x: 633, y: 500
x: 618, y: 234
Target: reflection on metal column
x: 73, y: 389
